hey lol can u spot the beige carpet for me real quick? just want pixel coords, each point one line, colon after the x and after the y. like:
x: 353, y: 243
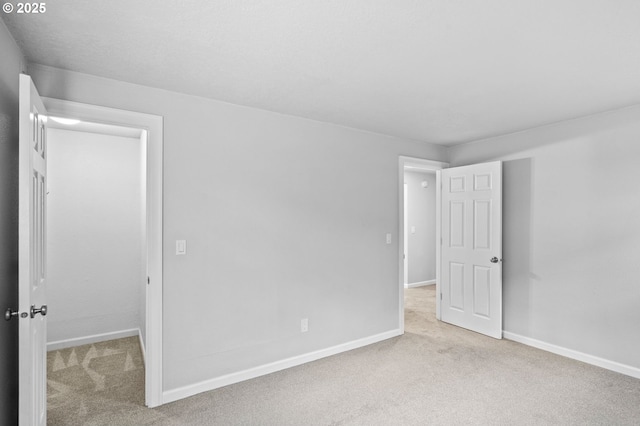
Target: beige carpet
x: 434, y: 374
x: 86, y: 382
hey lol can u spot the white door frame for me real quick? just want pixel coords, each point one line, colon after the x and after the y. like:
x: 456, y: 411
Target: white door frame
x: 153, y: 124
x: 423, y: 164
x: 405, y: 256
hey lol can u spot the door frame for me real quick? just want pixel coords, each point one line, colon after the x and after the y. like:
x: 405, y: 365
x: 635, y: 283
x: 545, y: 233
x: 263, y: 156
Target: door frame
x: 405, y: 245
x: 153, y: 124
x: 423, y: 164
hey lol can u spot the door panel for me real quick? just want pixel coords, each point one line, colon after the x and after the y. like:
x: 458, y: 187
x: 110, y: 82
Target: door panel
x: 456, y: 224
x: 32, y: 219
x: 482, y: 224
x: 456, y: 284
x: 481, y: 291
x: 471, y: 236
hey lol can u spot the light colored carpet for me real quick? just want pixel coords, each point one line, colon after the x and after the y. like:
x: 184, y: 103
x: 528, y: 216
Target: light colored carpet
x: 85, y: 382
x: 434, y: 374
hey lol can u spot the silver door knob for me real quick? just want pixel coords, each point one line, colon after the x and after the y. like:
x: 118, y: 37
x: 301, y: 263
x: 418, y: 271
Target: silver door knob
x: 494, y: 260
x: 10, y: 313
x: 42, y: 311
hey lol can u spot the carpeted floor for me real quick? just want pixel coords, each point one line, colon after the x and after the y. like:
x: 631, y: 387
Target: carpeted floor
x: 434, y: 374
x: 85, y: 382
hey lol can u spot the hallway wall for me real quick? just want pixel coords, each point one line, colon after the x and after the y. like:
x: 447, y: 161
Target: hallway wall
x: 422, y: 216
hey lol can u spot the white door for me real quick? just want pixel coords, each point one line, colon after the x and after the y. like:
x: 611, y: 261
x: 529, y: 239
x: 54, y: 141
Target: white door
x: 471, y: 254
x: 32, y: 186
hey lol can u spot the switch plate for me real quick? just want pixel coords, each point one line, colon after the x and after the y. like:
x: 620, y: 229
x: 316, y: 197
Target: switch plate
x: 304, y: 325
x: 181, y: 247
x: 413, y: 229
x: 388, y: 238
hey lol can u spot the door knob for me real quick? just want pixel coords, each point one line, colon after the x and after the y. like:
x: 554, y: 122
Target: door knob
x: 42, y: 311
x: 495, y: 260
x: 10, y: 313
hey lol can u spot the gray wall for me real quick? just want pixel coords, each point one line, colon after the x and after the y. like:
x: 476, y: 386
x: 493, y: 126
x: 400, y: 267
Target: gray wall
x: 285, y: 218
x: 95, y: 234
x: 11, y: 65
x: 571, y: 232
x: 421, y: 214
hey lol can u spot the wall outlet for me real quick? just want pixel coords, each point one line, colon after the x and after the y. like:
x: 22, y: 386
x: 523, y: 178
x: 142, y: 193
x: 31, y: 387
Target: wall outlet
x: 388, y: 238
x: 304, y: 325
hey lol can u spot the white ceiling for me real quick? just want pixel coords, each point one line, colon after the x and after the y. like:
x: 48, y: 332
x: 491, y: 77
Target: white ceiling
x: 441, y: 71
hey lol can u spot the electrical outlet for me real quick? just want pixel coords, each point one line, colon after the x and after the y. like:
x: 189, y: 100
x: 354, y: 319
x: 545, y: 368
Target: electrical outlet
x: 304, y: 325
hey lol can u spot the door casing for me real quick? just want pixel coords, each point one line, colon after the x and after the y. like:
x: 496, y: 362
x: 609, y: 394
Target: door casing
x: 153, y: 125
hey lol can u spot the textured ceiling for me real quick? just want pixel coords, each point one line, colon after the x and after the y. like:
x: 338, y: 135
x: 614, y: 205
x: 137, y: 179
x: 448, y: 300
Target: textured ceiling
x: 441, y: 71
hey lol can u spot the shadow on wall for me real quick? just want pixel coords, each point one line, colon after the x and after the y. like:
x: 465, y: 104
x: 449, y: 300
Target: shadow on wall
x: 518, y: 279
x: 8, y: 269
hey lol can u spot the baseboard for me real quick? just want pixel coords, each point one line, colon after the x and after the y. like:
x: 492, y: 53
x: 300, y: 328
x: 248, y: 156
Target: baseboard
x: 578, y: 356
x: 229, y: 379
x: 77, y: 341
x: 420, y: 284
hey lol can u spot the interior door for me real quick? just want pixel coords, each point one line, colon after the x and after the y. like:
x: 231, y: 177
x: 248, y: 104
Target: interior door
x: 471, y: 252
x: 32, y: 223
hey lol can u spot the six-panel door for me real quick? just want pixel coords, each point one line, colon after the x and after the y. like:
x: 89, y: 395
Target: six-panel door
x: 471, y: 251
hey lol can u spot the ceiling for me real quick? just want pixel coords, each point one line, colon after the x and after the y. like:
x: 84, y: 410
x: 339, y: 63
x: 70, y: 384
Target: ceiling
x: 440, y: 71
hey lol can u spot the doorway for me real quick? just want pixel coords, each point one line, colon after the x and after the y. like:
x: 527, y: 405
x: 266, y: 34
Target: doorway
x: 141, y: 136
x: 419, y: 176
x: 420, y: 227
x: 96, y: 242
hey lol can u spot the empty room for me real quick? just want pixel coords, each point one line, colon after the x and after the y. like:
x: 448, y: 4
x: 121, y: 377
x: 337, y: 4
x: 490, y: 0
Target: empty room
x: 317, y: 213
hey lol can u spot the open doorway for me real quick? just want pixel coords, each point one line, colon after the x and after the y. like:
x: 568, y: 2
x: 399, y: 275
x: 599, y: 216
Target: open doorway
x: 420, y: 236
x: 420, y: 248
x: 110, y: 176
x: 97, y: 264
x: 420, y: 227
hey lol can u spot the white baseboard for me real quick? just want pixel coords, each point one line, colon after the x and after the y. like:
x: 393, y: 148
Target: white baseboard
x: 420, y: 284
x: 77, y: 341
x: 218, y: 382
x: 579, y: 356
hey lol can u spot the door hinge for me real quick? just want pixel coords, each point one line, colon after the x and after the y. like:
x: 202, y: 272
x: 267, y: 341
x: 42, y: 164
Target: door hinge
x: 440, y: 296
x: 148, y: 280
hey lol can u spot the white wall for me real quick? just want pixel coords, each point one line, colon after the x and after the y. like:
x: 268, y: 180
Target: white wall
x: 285, y: 218
x: 11, y: 64
x: 421, y: 214
x: 571, y: 232
x: 95, y: 234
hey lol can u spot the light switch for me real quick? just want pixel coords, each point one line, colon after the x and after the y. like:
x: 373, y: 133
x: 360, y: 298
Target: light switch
x: 181, y: 247
x: 388, y: 238
x: 413, y: 229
